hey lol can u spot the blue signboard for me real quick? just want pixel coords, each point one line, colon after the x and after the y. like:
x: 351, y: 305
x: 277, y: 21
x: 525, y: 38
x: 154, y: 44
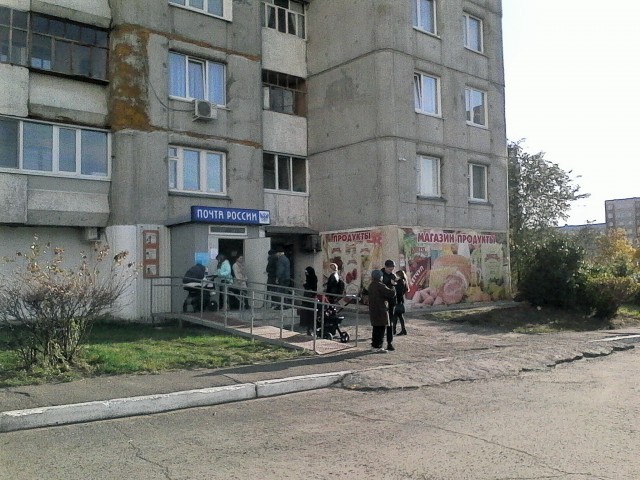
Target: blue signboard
x: 241, y: 216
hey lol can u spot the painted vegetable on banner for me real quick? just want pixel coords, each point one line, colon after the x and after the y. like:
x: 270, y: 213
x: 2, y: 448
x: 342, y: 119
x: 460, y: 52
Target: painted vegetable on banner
x: 447, y: 267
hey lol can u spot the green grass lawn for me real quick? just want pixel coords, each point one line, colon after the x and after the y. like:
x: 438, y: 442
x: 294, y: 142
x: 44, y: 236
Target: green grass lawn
x: 117, y: 348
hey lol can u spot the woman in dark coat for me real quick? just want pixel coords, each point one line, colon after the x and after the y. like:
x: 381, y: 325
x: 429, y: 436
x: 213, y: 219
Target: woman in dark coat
x: 398, y: 313
x: 310, y: 286
x: 379, y: 296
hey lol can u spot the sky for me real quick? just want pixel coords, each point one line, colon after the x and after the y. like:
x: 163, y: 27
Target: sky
x: 572, y: 75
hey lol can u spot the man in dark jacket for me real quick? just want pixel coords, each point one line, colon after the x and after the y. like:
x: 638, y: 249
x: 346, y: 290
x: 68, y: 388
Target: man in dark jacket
x: 283, y: 274
x: 272, y: 266
x: 389, y: 279
x: 379, y: 297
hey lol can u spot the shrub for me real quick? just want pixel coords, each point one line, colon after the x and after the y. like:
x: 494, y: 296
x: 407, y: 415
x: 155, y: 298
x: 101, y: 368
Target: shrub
x: 552, y: 273
x: 56, y: 304
x: 601, y: 295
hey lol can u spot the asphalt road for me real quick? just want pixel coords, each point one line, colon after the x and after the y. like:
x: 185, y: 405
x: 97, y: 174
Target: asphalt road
x: 577, y: 421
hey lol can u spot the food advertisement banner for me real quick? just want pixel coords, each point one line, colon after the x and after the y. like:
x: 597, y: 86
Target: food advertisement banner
x: 446, y: 267
x: 355, y: 253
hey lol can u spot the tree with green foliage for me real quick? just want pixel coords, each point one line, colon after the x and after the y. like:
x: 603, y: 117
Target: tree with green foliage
x: 540, y: 194
x: 50, y: 304
x: 616, y: 254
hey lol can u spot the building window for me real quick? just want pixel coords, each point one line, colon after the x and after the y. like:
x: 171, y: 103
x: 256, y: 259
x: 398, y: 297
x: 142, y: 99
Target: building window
x: 284, y: 173
x: 192, y: 170
x: 424, y: 15
x: 67, y: 47
x: 477, y: 182
x: 56, y: 44
x: 193, y: 78
x: 472, y: 33
x: 13, y: 36
x: 476, y: 106
x: 57, y: 149
x: 428, y: 176
x: 286, y: 16
x: 426, y: 93
x: 213, y: 7
x: 284, y: 93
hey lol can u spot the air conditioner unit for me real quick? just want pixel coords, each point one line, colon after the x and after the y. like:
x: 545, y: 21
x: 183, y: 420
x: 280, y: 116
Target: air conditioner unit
x: 203, y: 110
x: 91, y: 234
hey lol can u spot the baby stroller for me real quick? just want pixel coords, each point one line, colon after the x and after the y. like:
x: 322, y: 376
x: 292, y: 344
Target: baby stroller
x: 200, y: 293
x: 332, y: 322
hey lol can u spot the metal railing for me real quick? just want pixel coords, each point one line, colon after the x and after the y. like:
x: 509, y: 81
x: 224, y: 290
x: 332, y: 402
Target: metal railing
x: 263, y: 303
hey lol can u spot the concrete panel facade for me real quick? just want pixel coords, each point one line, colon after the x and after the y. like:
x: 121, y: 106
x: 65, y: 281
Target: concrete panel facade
x: 15, y: 91
x: 284, y: 133
x: 284, y: 53
x: 60, y: 99
x: 50, y: 207
x: 13, y: 197
x: 93, y: 12
x: 291, y: 210
x: 362, y: 96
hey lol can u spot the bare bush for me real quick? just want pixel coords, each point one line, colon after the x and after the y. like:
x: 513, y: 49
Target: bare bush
x: 50, y: 306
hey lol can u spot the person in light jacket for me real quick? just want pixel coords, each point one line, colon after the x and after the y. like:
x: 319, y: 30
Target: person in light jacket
x: 223, y: 276
x: 379, y: 297
x: 240, y: 280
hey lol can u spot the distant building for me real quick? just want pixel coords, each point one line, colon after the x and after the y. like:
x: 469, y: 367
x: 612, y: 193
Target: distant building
x: 624, y: 214
x: 576, y: 229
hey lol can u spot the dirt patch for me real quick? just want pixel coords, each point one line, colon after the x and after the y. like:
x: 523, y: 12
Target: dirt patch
x: 524, y: 318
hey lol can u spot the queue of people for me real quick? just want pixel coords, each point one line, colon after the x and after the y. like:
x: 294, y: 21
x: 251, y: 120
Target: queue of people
x: 386, y: 293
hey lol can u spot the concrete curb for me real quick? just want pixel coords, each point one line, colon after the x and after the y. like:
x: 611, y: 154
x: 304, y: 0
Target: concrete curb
x: 270, y: 388
x: 148, y: 404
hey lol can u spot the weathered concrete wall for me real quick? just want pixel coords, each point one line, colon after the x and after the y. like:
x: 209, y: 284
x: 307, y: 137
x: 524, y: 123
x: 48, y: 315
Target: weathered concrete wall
x: 291, y: 210
x: 13, y: 197
x: 19, y: 239
x: 17, y: 4
x: 93, y: 12
x: 66, y: 100
x: 284, y: 133
x: 361, y: 97
x: 147, y: 121
x: 284, y: 53
x: 14, y: 90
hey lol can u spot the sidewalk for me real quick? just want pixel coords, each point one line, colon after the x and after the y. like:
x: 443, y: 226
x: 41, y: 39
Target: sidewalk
x: 433, y: 353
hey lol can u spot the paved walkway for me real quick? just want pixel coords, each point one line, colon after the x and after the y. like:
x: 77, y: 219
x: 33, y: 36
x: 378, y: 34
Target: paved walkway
x: 433, y: 353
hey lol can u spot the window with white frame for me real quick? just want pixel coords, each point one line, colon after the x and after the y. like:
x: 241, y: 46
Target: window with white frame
x: 424, y: 15
x: 194, y: 78
x: 213, y: 7
x: 426, y: 93
x: 428, y: 176
x: 53, y: 44
x: 478, y: 182
x: 476, y: 106
x: 56, y: 149
x: 286, y: 16
x: 284, y: 173
x: 193, y: 170
x: 472, y: 33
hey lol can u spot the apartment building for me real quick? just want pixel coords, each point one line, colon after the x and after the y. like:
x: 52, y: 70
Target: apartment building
x: 347, y: 132
x: 624, y: 214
